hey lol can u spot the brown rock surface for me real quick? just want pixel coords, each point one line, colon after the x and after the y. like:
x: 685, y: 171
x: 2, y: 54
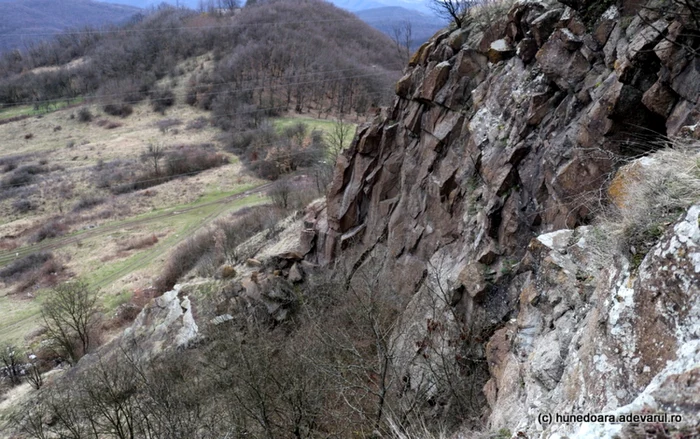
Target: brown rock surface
x: 482, y: 151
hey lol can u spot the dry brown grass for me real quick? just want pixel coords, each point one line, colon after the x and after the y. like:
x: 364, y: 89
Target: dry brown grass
x: 648, y: 195
x: 139, y: 242
x: 60, y: 190
x: 34, y: 270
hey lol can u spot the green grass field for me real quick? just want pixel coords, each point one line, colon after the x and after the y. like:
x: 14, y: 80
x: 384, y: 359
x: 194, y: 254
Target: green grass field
x: 325, y: 125
x: 21, y: 314
x: 94, y: 253
x: 30, y: 110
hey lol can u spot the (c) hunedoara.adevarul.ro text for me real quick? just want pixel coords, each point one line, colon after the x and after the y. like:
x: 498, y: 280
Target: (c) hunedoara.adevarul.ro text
x: 626, y: 418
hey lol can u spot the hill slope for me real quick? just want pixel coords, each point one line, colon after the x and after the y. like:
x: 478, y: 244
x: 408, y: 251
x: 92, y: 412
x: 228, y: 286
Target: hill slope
x: 28, y: 21
x: 309, y: 54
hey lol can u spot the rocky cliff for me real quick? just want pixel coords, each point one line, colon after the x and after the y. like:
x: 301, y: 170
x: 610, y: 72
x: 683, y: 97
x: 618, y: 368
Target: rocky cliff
x: 476, y: 188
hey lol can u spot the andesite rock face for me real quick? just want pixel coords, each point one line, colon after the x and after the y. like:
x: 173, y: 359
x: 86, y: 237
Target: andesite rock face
x: 494, y: 141
x: 588, y: 339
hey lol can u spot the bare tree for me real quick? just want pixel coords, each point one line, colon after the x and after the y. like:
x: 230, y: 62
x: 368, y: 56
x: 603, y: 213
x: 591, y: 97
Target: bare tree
x: 70, y: 316
x: 455, y: 10
x: 10, y: 357
x: 153, y: 155
x: 110, y: 398
x: 31, y: 422
x: 34, y: 376
x: 339, y: 138
x: 351, y: 343
x: 333, y: 143
x: 402, y: 34
x: 231, y: 5
x: 280, y: 193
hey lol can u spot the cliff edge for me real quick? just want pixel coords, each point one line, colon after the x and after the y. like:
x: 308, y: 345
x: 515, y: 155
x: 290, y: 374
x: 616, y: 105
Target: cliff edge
x: 477, y: 189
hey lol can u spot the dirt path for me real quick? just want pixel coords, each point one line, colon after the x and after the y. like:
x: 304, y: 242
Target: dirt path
x: 8, y: 257
x: 143, y: 258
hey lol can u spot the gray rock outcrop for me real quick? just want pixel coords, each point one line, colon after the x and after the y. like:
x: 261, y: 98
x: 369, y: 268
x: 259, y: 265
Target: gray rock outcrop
x: 494, y: 142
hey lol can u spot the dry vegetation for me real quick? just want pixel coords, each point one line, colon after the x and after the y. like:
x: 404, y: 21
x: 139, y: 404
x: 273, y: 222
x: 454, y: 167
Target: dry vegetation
x: 210, y: 249
x: 648, y: 195
x: 327, y: 370
x: 72, y: 188
x: 32, y: 271
x: 307, y: 63
x: 80, y: 179
x: 167, y: 124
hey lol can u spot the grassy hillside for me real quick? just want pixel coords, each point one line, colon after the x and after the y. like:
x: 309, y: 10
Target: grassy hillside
x: 81, y: 193
x: 137, y: 158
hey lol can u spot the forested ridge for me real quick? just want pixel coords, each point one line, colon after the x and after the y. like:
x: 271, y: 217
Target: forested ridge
x: 274, y: 56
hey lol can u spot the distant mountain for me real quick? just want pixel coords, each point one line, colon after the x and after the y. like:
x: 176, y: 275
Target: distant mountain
x: 361, y: 5
x: 348, y: 5
x: 389, y: 18
x: 357, y: 5
x: 384, y: 15
x: 145, y: 4
x: 28, y: 21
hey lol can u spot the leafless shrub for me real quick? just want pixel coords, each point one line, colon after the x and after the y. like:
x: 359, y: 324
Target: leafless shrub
x: 165, y: 124
x: 399, y: 430
x: 327, y: 371
x: 243, y: 225
x: 31, y: 422
x: 270, y: 154
x: 22, y: 176
x: 88, y: 202
x: 162, y: 99
x: 108, y: 124
x: 483, y: 13
x: 52, y: 229
x: 41, y: 269
x: 10, y: 162
x: 23, y: 205
x: 207, y: 250
x: 47, y: 275
x: 187, y: 159
x: 138, y: 243
x: 114, y: 173
x: 183, y: 259
x: 118, y: 109
x: 8, y: 165
x: 34, y: 370
x: 124, y: 314
x: 153, y: 155
x: 15, y: 270
x: 85, y: 115
x: 197, y: 124
x: 280, y: 193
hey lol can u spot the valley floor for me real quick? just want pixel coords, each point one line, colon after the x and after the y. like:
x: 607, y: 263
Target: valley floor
x: 96, y: 243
